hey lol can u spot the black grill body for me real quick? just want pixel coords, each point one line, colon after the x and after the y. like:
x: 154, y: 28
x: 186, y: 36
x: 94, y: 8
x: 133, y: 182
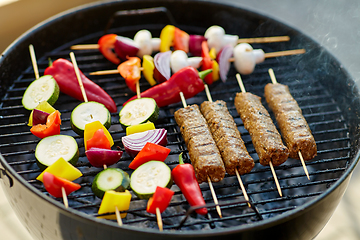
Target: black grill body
x: 326, y: 94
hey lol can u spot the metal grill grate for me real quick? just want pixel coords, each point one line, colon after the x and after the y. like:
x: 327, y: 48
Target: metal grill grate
x: 324, y: 116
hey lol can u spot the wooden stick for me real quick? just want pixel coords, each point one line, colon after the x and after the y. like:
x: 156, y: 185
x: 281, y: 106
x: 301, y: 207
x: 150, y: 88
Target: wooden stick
x: 183, y: 99
x: 33, y: 60
x: 64, y: 196
x: 84, y: 46
x: 218, y: 209
x: 118, y: 216
x: 274, y: 81
x: 264, y: 39
x: 236, y: 171
x: 279, y: 54
x: 138, y: 89
x: 76, y: 68
x: 275, y: 178
x: 105, y: 72
x: 159, y: 219
x: 271, y: 165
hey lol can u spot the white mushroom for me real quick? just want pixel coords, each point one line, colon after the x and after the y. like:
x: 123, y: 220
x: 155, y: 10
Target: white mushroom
x: 216, y: 38
x: 143, y: 39
x: 259, y: 55
x: 179, y: 59
x: 155, y: 42
x: 244, y: 58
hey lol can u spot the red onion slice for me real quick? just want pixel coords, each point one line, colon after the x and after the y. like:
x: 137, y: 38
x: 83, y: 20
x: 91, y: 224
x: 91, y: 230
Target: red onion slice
x: 98, y: 157
x: 162, y: 66
x: 126, y: 47
x: 195, y: 44
x: 223, y: 59
x: 133, y: 143
x: 39, y: 117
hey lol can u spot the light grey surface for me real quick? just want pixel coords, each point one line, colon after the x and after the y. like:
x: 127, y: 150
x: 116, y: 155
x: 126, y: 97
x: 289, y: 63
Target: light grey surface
x: 332, y: 23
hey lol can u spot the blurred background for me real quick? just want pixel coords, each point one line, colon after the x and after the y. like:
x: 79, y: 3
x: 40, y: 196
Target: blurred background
x: 332, y: 23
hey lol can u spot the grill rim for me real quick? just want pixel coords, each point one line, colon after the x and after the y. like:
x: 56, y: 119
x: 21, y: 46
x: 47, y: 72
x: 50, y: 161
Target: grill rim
x: 291, y: 214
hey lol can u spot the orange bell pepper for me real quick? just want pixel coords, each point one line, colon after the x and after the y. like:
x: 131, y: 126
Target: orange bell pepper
x: 106, y: 46
x: 130, y: 70
x: 181, y: 40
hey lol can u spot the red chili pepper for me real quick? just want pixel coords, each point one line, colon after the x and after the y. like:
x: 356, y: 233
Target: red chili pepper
x: 130, y: 70
x: 99, y: 140
x: 63, y: 72
x: 52, y: 126
x: 53, y: 185
x: 149, y: 152
x: 181, y: 40
x: 161, y: 199
x: 206, y: 62
x: 187, y: 80
x: 106, y: 46
x: 184, y: 177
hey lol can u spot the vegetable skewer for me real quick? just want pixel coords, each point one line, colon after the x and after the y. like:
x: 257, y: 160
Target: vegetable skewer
x: 242, y: 159
x: 217, y: 166
x: 266, y: 139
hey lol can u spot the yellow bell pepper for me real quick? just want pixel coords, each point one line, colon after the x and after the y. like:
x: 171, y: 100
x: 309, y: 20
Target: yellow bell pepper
x: 215, y: 71
x: 212, y: 53
x: 140, y: 128
x: 91, y: 128
x: 113, y: 199
x: 148, y: 69
x: 167, y: 37
x: 43, y: 106
x: 63, y: 169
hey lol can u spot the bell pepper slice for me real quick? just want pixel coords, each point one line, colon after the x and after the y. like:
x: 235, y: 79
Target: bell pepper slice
x: 215, y: 71
x: 99, y: 140
x: 148, y: 69
x: 167, y: 37
x: 63, y: 169
x: 140, y: 128
x: 130, y: 70
x: 53, y: 184
x: 160, y: 199
x: 43, y: 106
x: 207, y: 62
x: 150, y: 152
x: 181, y: 40
x: 113, y: 199
x: 106, y: 47
x: 52, y: 126
x: 91, y: 128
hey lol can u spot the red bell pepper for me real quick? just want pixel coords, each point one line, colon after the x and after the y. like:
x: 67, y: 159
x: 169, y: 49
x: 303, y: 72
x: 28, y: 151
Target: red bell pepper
x: 184, y: 177
x: 187, y: 80
x: 161, y: 199
x: 52, y: 126
x: 149, y: 152
x: 99, y: 140
x: 106, y: 46
x: 207, y: 62
x: 181, y: 40
x: 53, y: 185
x: 130, y: 70
x: 63, y: 72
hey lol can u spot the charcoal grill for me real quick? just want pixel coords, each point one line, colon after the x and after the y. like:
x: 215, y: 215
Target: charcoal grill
x: 325, y: 92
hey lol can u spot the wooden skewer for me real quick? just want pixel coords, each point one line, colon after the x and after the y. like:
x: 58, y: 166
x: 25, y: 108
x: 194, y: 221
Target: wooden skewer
x: 279, y: 54
x: 207, y: 91
x: 118, y: 216
x: 238, y: 77
x: 241, y: 40
x: 33, y: 60
x: 264, y: 39
x: 208, y: 178
x: 159, y: 219
x: 64, y: 196
x: 274, y: 81
x: 76, y: 68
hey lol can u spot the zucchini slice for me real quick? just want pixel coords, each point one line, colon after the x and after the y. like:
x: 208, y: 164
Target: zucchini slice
x: 138, y: 111
x: 50, y: 149
x: 110, y: 179
x: 148, y: 176
x: 44, y: 88
x: 89, y: 112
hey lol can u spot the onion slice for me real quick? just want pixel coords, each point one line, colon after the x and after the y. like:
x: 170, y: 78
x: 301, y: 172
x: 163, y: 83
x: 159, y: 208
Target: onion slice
x: 39, y: 117
x: 223, y: 59
x: 98, y: 157
x: 133, y: 143
x: 162, y: 70
x: 126, y: 47
x: 195, y: 44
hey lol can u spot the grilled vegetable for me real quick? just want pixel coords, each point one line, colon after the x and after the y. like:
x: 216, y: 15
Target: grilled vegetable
x: 148, y: 153
x: 113, y: 199
x: 106, y: 47
x: 89, y: 112
x: 148, y: 176
x: 142, y: 127
x: 44, y: 88
x: 110, y: 179
x: 53, y: 184
x: 130, y: 71
x: 139, y: 111
x: 161, y: 199
x: 90, y: 130
x: 43, y: 106
x: 98, y: 157
x: 50, y: 149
